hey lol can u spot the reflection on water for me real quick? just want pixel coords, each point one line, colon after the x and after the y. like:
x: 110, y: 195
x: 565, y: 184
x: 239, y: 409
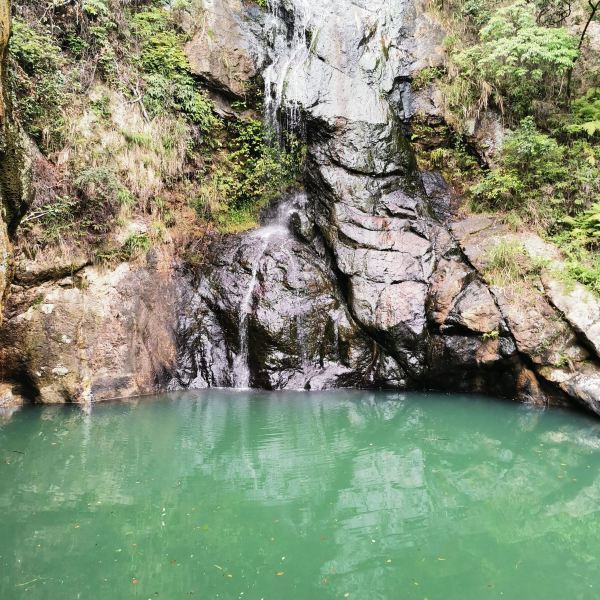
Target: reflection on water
x: 251, y: 495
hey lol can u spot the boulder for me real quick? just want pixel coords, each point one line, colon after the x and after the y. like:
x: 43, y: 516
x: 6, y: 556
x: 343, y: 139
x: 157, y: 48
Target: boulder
x: 579, y: 306
x: 555, y: 327
x: 266, y: 312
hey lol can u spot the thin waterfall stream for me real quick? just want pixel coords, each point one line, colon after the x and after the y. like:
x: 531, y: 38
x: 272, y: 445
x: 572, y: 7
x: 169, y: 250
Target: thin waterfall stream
x: 241, y: 367
x: 277, y: 227
x: 286, y: 53
x: 290, y: 50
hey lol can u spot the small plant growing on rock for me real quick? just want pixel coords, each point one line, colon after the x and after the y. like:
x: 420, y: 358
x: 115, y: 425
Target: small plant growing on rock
x: 563, y: 361
x: 491, y: 335
x: 136, y: 245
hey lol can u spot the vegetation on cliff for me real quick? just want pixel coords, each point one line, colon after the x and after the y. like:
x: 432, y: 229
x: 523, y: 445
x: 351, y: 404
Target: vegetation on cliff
x: 533, y: 65
x: 127, y: 133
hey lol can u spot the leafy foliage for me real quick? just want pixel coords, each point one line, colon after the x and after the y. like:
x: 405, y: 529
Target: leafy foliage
x: 56, y: 218
x: 254, y: 171
x: 136, y: 244
x: 586, y: 113
x: 586, y: 227
x: 516, y: 62
x: 524, y: 62
x: 104, y: 195
x: 539, y: 176
x: 40, y: 85
x: 169, y: 81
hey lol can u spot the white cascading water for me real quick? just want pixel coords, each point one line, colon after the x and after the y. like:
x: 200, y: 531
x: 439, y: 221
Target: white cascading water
x: 328, y: 63
x: 328, y: 87
x: 287, y: 55
x: 276, y: 228
x: 241, y: 367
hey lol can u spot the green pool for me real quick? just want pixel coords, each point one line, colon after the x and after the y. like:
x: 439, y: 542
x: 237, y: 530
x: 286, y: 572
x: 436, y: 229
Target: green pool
x: 300, y: 496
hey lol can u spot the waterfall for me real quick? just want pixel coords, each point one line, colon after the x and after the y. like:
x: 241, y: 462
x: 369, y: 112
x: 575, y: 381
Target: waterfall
x: 290, y: 51
x: 275, y: 228
x: 241, y: 367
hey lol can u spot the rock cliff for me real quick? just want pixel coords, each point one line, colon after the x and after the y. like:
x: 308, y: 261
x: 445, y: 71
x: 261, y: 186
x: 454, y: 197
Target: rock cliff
x: 4, y: 243
x: 361, y: 279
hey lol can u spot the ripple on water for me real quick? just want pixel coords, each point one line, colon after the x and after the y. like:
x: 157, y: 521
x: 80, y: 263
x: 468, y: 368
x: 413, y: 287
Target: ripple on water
x: 230, y: 495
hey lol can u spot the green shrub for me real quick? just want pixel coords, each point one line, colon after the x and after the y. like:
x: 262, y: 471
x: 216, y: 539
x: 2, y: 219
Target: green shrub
x: 517, y: 62
x: 538, y: 156
x: 57, y: 219
x: 135, y: 245
x: 585, y: 115
x: 40, y: 85
x: 538, y: 174
x: 101, y: 107
x: 95, y: 8
x: 426, y: 76
x: 102, y: 197
x: 499, y: 190
x: 586, y: 272
x: 254, y: 171
x: 529, y: 160
x: 579, y: 240
x: 170, y: 84
x: 585, y: 227
x: 479, y: 11
x: 491, y: 335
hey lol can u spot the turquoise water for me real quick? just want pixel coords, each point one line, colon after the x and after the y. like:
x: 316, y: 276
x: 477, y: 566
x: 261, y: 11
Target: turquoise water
x: 298, y: 496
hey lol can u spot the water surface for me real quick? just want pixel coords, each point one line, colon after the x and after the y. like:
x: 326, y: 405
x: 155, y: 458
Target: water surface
x: 300, y: 496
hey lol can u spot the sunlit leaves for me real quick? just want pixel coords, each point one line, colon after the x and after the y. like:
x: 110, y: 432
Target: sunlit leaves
x: 517, y: 59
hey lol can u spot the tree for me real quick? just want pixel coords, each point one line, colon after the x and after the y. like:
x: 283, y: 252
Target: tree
x: 519, y: 60
x: 593, y: 8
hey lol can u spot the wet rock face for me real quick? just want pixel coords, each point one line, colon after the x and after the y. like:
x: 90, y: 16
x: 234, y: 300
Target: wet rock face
x: 360, y: 281
x: 266, y: 313
x: 404, y: 279
x: 371, y: 289
x: 553, y: 324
